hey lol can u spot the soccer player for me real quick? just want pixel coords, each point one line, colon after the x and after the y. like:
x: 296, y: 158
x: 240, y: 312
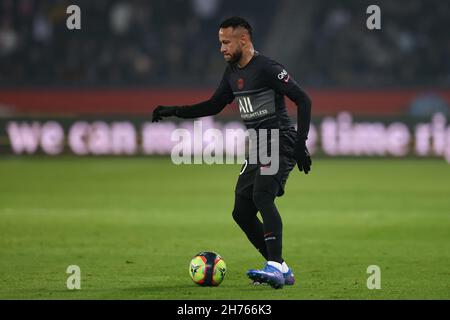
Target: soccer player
x: 259, y: 84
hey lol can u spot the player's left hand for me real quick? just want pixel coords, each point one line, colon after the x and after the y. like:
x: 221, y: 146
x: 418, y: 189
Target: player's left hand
x: 303, y: 157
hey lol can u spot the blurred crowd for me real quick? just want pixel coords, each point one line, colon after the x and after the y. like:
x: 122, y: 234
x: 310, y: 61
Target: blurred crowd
x: 138, y: 42
x: 121, y: 42
x: 412, y: 47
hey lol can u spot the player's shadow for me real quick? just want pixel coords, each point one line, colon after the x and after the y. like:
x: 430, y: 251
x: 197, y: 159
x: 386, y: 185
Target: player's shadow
x: 159, y: 288
x: 185, y: 290
x: 158, y: 291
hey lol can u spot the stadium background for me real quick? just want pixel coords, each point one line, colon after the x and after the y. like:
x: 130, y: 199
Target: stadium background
x: 380, y: 139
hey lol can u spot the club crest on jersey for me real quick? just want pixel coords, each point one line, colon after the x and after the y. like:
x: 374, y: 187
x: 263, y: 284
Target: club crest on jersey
x: 240, y: 83
x: 283, y: 76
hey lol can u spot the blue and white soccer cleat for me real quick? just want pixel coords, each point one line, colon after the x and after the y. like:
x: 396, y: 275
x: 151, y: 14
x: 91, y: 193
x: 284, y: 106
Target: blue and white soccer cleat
x: 289, y: 278
x: 269, y: 275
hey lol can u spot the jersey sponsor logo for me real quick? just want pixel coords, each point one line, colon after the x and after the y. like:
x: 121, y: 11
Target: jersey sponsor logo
x: 240, y: 83
x: 245, y: 105
x: 283, y: 76
x: 257, y: 114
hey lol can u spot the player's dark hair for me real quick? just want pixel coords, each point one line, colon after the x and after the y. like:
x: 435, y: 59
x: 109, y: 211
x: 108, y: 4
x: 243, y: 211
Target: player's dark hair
x: 235, y: 22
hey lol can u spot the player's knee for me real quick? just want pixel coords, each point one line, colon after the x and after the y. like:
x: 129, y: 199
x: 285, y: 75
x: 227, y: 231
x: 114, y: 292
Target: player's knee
x: 262, y: 199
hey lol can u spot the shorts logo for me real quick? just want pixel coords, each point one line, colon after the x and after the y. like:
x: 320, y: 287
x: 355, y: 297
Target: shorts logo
x: 244, y: 167
x: 240, y: 83
x: 283, y: 76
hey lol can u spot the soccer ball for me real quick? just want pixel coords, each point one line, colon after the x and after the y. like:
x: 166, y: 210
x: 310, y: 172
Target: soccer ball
x: 207, y: 269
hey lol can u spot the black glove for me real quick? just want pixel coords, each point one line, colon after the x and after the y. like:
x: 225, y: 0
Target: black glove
x: 302, y: 156
x: 163, y: 111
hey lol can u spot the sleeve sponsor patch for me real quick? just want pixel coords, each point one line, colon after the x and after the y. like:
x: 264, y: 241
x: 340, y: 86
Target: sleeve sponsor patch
x: 283, y: 76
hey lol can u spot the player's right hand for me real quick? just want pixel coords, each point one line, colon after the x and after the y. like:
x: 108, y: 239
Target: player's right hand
x: 163, y: 111
x: 303, y: 157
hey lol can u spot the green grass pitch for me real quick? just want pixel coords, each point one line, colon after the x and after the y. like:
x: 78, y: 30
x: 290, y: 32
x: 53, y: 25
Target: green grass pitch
x: 133, y: 224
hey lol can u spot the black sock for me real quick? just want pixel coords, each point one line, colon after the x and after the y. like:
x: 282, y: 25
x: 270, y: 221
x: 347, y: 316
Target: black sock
x: 244, y: 213
x: 272, y: 223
